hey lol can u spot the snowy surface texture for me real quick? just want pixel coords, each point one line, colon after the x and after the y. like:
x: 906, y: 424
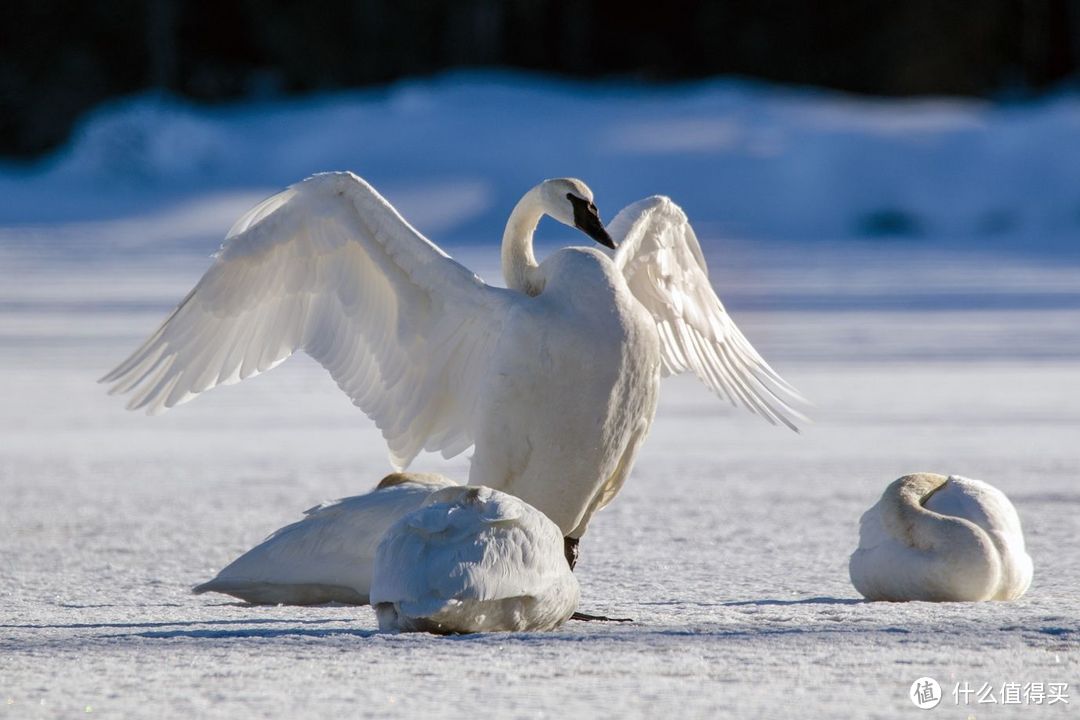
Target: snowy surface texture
x: 910, y: 266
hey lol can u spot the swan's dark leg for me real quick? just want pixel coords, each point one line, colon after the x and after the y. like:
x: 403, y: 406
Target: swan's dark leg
x: 570, y: 547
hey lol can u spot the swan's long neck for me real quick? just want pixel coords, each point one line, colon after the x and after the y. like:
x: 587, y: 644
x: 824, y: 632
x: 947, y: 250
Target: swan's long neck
x: 904, y: 515
x: 520, y: 270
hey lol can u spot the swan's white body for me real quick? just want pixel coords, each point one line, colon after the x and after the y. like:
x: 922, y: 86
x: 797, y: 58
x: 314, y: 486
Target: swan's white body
x: 554, y: 380
x: 571, y: 392
x: 328, y: 556
x: 938, y: 538
x: 473, y: 559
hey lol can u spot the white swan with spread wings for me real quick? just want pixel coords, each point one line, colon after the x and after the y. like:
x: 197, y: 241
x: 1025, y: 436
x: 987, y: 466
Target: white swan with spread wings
x: 553, y: 380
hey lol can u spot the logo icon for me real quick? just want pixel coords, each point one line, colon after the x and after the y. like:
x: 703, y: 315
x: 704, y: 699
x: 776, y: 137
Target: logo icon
x: 925, y: 693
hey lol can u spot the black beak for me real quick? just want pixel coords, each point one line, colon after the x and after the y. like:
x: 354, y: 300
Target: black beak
x: 587, y: 220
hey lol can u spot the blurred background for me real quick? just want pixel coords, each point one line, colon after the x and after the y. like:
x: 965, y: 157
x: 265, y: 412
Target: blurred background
x: 857, y: 156
x: 950, y: 122
x: 59, y: 59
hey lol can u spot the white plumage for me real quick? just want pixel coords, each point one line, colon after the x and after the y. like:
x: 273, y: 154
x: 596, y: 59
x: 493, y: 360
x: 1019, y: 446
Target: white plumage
x: 428, y: 554
x: 554, y: 380
x: 472, y: 559
x: 329, y: 555
x: 661, y: 259
x: 938, y: 538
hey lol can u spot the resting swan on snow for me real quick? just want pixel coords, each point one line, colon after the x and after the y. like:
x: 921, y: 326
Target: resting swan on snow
x: 472, y: 559
x: 329, y: 556
x: 554, y: 380
x: 428, y: 554
x: 938, y: 538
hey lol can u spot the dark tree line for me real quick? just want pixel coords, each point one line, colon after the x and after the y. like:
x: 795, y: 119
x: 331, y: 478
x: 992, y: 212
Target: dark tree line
x: 59, y: 58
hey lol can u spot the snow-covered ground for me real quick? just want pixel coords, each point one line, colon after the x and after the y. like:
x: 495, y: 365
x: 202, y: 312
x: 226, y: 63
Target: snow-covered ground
x: 910, y: 266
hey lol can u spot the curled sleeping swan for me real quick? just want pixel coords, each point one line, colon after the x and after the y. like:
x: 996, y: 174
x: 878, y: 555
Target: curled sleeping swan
x: 428, y: 554
x: 559, y: 371
x: 938, y: 538
x: 472, y: 559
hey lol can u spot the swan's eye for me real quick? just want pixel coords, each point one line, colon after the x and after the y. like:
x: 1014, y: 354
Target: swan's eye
x: 576, y: 201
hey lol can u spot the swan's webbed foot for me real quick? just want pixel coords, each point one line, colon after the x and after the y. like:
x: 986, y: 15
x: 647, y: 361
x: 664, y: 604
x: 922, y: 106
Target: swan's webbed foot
x: 570, y: 547
x: 586, y: 617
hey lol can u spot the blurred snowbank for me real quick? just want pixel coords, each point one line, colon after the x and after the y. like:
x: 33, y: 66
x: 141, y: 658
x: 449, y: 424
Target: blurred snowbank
x: 456, y: 151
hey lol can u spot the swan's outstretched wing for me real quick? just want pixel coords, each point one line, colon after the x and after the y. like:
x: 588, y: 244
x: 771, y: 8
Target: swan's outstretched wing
x: 662, y: 262
x: 329, y: 267
x: 328, y: 556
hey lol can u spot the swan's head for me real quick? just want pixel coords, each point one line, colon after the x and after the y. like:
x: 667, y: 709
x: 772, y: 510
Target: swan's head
x: 570, y: 201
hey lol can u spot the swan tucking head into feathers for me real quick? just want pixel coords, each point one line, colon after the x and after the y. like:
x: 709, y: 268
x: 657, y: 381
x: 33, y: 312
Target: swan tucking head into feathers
x: 941, y: 539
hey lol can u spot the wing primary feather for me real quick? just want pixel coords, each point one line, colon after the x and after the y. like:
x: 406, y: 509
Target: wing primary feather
x: 136, y: 357
x: 149, y: 361
x: 156, y: 381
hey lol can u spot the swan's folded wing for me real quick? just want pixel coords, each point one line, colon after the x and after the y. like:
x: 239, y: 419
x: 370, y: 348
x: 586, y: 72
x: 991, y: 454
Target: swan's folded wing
x: 328, y: 266
x: 663, y: 265
x: 327, y: 556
